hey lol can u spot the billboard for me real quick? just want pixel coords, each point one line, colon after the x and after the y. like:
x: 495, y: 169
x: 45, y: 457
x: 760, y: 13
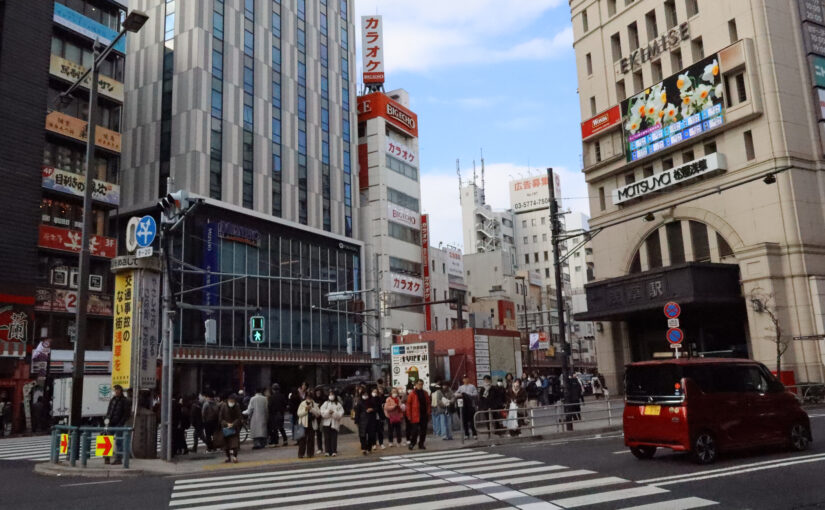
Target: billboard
x: 679, y: 108
x: 601, y: 122
x: 122, y: 341
x: 455, y: 264
x: 372, y: 48
x: 411, y: 362
x: 425, y: 256
x: 532, y: 193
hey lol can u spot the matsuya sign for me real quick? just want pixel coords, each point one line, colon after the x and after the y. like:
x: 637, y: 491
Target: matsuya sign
x: 710, y: 164
x: 672, y: 39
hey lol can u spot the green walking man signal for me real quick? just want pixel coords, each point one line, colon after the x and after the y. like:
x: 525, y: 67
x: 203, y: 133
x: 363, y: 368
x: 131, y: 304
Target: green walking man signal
x: 256, y: 329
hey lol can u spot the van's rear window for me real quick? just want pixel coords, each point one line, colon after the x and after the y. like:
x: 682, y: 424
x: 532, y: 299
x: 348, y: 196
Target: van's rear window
x: 652, y: 380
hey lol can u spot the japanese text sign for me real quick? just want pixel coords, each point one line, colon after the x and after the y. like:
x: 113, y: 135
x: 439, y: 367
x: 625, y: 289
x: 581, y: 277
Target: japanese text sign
x: 406, y: 284
x: 532, y: 193
x: 122, y: 341
x: 75, y: 184
x: 400, y: 151
x: 372, y: 48
x: 410, y: 362
x: 73, y: 127
x: 64, y: 239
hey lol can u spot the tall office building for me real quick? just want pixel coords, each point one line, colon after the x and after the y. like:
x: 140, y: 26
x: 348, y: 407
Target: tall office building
x: 703, y: 148
x: 249, y: 105
x: 44, y: 47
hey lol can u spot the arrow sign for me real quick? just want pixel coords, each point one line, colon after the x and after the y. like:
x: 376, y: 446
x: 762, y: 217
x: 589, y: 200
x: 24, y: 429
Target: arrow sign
x: 64, y: 443
x: 675, y: 336
x: 103, y: 446
x: 145, y: 232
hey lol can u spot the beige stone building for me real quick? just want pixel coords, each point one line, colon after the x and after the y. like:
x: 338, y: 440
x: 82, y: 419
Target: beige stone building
x: 703, y: 154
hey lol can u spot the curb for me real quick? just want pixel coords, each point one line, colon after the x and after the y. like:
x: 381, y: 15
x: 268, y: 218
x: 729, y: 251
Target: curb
x: 49, y: 469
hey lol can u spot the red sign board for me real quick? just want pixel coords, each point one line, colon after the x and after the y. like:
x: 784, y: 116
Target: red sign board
x: 64, y: 239
x: 425, y: 258
x: 601, y: 122
x: 65, y: 301
x: 379, y: 104
x: 675, y: 336
x: 14, y: 325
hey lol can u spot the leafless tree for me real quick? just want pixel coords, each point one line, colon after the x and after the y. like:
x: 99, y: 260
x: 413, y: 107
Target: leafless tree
x: 766, y: 303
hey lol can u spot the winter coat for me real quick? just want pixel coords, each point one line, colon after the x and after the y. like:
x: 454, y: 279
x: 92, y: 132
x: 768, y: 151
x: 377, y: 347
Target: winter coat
x: 520, y: 397
x: 295, y: 402
x: 196, y: 415
x: 486, y: 398
x: 277, y: 406
x: 228, y: 417
x: 414, y: 406
x: 438, y: 401
x: 392, y: 410
x: 209, y: 412
x: 331, y: 413
x: 365, y: 414
x: 118, y: 412
x: 304, y: 410
x: 533, y: 390
x: 258, y: 412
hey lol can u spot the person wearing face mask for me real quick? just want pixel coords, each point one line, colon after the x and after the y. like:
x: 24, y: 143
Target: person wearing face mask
x: 533, y: 391
x: 257, y: 412
x: 366, y: 418
x: 407, y: 424
x: 418, y: 412
x: 517, y: 395
x: 332, y: 411
x: 196, y: 418
x: 318, y: 425
x: 380, y: 394
x: 468, y: 392
x: 394, y: 414
x: 227, y: 435
x: 499, y: 401
x: 308, y: 412
x: 443, y: 400
x: 485, y: 402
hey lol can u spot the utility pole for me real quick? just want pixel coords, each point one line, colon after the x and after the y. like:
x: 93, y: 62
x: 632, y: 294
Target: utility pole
x: 526, y: 329
x: 380, y: 312
x: 555, y: 229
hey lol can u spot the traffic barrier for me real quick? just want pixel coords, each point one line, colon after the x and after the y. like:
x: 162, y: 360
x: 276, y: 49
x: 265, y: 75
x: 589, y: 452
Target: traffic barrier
x: 80, y: 447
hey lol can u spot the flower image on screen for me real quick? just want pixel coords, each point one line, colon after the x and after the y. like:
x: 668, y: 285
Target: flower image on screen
x: 679, y: 108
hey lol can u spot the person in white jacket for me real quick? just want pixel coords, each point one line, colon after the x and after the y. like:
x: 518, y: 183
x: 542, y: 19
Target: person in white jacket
x: 331, y: 414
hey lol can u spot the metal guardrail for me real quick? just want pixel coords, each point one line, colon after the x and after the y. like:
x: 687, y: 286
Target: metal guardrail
x: 553, y: 419
x: 81, y: 438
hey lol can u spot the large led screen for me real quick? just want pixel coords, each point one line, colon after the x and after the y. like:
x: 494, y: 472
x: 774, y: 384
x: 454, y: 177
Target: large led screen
x: 681, y: 107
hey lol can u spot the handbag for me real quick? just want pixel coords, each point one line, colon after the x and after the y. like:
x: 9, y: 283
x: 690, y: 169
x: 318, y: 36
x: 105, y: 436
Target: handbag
x: 300, y: 432
x: 229, y: 431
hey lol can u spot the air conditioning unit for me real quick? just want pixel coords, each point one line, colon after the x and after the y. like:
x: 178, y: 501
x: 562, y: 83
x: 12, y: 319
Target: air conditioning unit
x: 96, y: 282
x: 60, y: 277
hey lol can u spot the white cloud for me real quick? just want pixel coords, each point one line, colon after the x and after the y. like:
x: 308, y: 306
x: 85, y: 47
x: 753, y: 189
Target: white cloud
x: 440, y: 195
x: 424, y: 35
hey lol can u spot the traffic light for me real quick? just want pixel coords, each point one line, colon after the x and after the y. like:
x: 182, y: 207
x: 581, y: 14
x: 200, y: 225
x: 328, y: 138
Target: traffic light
x: 256, y: 329
x: 173, y: 204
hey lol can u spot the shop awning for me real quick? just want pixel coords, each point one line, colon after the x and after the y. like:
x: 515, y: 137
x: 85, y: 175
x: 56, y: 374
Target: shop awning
x: 271, y: 356
x: 694, y: 283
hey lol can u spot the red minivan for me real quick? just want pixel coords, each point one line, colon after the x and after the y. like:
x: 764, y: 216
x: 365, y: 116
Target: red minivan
x: 707, y: 405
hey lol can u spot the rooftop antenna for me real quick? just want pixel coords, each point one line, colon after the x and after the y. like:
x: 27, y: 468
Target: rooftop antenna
x: 458, y: 171
x: 482, y: 175
x: 474, y: 171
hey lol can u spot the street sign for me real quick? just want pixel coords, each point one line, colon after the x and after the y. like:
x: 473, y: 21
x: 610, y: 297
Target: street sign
x: 673, y: 323
x: 675, y: 346
x: 256, y: 329
x: 104, y: 446
x: 672, y: 310
x: 146, y: 231
x: 675, y: 336
x: 334, y: 297
x: 810, y: 337
x: 64, y: 444
x: 142, y: 253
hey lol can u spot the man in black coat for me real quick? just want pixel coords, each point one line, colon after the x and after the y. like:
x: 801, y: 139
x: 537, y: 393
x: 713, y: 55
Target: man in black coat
x: 118, y: 414
x: 196, y: 419
x: 277, y: 410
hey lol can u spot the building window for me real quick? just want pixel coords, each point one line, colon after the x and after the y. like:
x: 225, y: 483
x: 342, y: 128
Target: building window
x: 675, y: 243
x: 710, y: 147
x: 402, y: 233
x: 616, y: 46
x: 597, y: 148
x: 698, y: 49
x: 636, y: 264
x: 638, y: 81
x: 749, y: 150
x: 676, y: 60
x: 402, y: 199
x: 699, y: 238
x: 585, y: 23
x: 536, y: 257
x: 544, y: 238
x: 692, y: 8
x: 588, y: 61
x: 345, y: 119
x: 543, y: 219
x: 525, y: 239
x: 526, y: 259
x: 724, y: 247
x: 670, y: 14
x: 398, y: 265
x: 652, y: 29
x: 611, y: 7
x: 621, y: 92
x: 656, y: 70
x: 277, y: 179
x: 546, y: 255
x: 523, y: 223
x: 592, y: 106
x: 732, y: 32
x: 736, y: 91
x: 633, y: 36
x: 601, y: 199
x: 654, y: 250
x: 535, y: 238
x: 629, y: 179
x: 667, y: 163
x: 547, y: 272
x: 687, y: 156
x: 647, y: 171
x: 398, y: 166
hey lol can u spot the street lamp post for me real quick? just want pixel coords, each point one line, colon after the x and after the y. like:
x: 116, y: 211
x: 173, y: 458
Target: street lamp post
x: 526, y: 329
x: 133, y: 22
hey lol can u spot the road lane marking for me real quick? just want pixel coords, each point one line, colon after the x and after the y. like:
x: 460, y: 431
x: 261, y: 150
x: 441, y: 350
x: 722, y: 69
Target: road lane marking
x: 366, y: 500
x: 731, y: 468
x: 433, y: 454
x: 499, y: 467
x: 574, y: 486
x: 675, y: 504
x: 446, y: 503
x: 739, y: 472
x: 280, y: 475
x: 516, y: 472
x: 621, y: 451
x: 604, y: 497
x: 542, y: 477
x: 91, y: 483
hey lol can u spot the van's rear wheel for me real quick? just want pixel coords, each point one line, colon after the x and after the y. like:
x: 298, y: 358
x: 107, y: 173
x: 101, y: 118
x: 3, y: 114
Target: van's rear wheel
x: 704, y: 449
x: 643, y: 452
x: 800, y: 437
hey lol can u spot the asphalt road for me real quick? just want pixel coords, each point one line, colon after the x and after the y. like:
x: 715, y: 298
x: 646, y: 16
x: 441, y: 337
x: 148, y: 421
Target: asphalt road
x: 580, y: 473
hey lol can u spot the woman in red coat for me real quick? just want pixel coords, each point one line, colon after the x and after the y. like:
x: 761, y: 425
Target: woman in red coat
x: 418, y: 413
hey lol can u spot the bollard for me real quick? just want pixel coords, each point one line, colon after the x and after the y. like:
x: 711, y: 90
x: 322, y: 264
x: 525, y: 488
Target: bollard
x: 73, y: 448
x: 609, y: 414
x: 84, y: 448
x: 127, y: 447
x: 54, y: 455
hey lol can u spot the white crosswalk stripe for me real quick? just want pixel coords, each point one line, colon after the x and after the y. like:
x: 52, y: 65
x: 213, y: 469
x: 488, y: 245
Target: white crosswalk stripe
x: 471, y: 479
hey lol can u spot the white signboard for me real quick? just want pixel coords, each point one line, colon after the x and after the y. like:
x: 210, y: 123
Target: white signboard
x: 403, y: 216
x: 400, y: 151
x: 687, y: 172
x: 455, y: 263
x: 410, y: 362
x: 372, y: 48
x: 534, y: 277
x: 532, y: 193
x: 482, y: 347
x: 149, y: 317
x: 405, y: 284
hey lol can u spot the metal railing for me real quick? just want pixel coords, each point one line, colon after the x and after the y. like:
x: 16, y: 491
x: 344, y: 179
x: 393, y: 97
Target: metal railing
x: 552, y: 419
x: 80, y: 441
x: 808, y: 393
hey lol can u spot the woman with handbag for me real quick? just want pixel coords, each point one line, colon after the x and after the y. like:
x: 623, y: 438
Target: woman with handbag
x: 394, y: 414
x: 308, y: 412
x: 229, y: 418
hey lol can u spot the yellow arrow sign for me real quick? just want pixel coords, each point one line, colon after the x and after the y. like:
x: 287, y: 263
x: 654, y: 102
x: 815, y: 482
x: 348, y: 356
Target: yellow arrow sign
x: 64, y: 443
x: 105, y: 446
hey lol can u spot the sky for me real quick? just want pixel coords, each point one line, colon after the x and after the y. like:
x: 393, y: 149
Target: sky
x: 491, y: 75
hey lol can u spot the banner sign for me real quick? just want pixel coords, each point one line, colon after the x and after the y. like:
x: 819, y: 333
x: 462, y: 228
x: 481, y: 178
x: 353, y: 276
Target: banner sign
x: 92, y: 29
x: 532, y: 193
x: 40, y: 358
x: 73, y: 127
x: 602, y: 122
x: 148, y: 302
x: 64, y: 239
x: 406, y: 284
x: 122, y: 340
x: 65, y: 301
x: 400, y: 151
x: 14, y: 325
x: 691, y: 170
x: 372, y: 48
x: 482, y: 348
x: 425, y: 257
x: 678, y: 109
x: 69, y: 71
x: 211, y: 254
x: 402, y: 215
x: 455, y: 262
x: 410, y: 362
x: 75, y: 184
x: 379, y: 104
x: 238, y: 233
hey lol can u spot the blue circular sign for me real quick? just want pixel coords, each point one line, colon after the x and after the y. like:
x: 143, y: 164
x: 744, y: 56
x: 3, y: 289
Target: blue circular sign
x: 675, y: 336
x: 672, y: 310
x: 146, y: 231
